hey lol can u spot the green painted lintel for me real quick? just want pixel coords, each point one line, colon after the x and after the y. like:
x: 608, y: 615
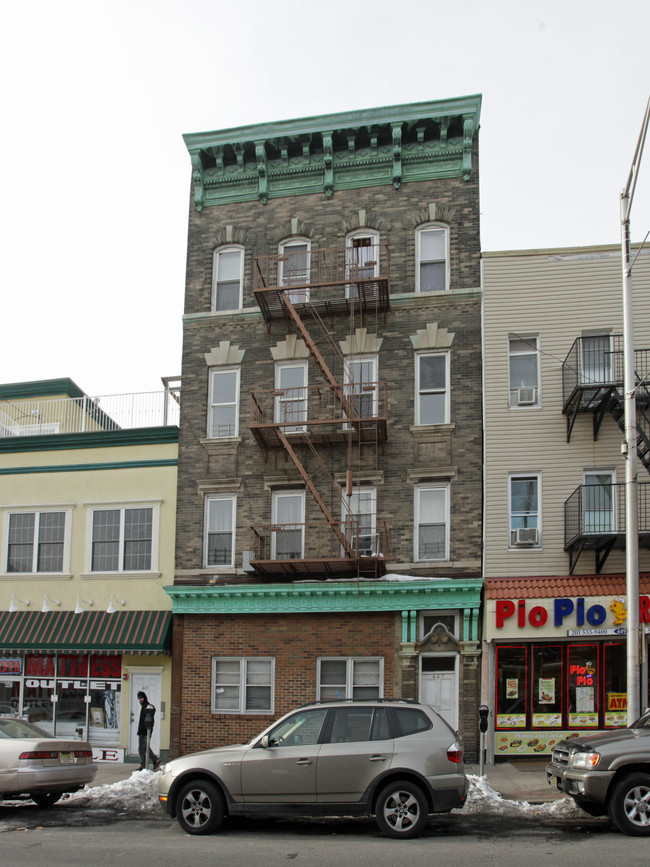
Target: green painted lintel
x: 330, y: 596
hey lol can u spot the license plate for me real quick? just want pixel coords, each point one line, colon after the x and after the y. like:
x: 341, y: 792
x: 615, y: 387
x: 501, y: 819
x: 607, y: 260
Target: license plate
x: 66, y: 758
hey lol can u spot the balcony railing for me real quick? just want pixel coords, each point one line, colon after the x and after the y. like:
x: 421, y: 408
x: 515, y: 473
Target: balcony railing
x: 315, y: 548
x: 20, y: 418
x: 595, y: 519
x: 595, y: 363
x: 329, y: 280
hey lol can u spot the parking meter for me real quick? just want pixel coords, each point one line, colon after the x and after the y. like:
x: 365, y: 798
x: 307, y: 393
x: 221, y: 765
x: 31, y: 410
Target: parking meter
x: 483, y: 714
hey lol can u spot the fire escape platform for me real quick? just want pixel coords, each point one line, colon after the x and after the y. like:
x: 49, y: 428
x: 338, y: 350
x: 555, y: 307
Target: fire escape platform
x: 343, y: 567
x: 325, y: 300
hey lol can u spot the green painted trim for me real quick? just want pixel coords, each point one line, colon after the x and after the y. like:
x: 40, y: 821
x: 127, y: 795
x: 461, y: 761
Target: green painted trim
x: 330, y: 596
x: 82, y: 468
x: 39, y: 388
x: 95, y: 440
x: 351, y: 150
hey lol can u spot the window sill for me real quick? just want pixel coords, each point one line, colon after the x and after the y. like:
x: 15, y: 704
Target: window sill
x: 35, y: 576
x: 104, y: 575
x: 425, y: 430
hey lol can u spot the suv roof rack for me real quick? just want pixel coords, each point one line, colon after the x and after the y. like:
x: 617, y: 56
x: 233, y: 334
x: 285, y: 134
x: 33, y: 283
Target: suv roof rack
x: 360, y: 701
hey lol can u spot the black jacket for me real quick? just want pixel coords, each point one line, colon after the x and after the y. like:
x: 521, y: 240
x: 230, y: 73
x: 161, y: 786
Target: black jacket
x: 147, y: 714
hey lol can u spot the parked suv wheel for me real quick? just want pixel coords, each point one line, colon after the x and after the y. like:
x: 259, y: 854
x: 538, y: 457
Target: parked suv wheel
x: 199, y: 807
x: 629, y: 805
x: 401, y: 810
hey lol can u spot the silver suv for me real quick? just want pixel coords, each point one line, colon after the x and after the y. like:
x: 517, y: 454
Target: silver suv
x: 608, y: 774
x: 394, y: 759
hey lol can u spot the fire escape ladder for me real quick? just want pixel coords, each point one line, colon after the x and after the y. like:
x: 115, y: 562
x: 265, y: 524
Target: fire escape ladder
x: 616, y: 409
x: 334, y: 524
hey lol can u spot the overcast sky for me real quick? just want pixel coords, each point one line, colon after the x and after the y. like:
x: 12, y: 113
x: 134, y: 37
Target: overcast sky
x: 95, y: 177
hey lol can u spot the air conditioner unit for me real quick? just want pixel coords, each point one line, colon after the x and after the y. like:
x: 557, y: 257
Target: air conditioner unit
x: 525, y: 536
x: 526, y: 396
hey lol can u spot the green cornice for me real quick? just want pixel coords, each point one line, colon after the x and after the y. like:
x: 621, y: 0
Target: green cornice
x: 330, y: 596
x: 376, y: 147
x: 94, y: 440
x: 39, y: 388
x: 85, y: 468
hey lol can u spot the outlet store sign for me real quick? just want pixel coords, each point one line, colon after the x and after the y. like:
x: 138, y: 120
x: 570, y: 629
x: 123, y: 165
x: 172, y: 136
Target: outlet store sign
x: 562, y: 616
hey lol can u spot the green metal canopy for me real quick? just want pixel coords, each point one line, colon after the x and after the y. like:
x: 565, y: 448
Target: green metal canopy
x: 136, y: 632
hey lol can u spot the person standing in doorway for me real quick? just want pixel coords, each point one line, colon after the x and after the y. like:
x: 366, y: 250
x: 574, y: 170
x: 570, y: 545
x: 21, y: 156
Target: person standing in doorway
x: 145, y: 729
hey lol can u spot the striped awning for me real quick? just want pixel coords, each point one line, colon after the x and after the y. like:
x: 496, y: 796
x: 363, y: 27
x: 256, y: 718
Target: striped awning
x: 137, y: 632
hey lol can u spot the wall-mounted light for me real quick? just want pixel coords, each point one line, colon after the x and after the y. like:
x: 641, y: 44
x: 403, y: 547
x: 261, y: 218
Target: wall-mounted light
x: 47, y: 599
x: 14, y: 599
x: 111, y: 608
x: 80, y: 602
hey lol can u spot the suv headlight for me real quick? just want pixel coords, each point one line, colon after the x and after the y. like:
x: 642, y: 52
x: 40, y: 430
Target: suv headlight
x: 585, y: 760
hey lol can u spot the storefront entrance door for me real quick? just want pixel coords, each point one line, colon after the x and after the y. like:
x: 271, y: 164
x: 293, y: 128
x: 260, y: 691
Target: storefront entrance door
x: 439, y: 690
x: 148, y: 682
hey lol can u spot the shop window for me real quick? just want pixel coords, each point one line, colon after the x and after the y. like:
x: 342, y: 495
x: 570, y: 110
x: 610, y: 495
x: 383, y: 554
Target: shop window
x: 242, y: 685
x: 582, y: 686
x: 350, y: 679
x: 547, y: 686
x: 512, y: 687
x: 615, y: 684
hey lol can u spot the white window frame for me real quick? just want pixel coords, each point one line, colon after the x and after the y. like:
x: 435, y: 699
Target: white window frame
x: 214, y: 373
x: 298, y: 395
x: 244, y: 662
x: 37, y: 511
x: 122, y: 507
x: 437, y: 616
x: 600, y: 527
x: 537, y: 514
x: 444, y: 487
x: 231, y: 248
x: 348, y: 513
x: 209, y: 499
x: 350, y: 257
x: 353, y: 388
x: 419, y: 392
x: 301, y: 295
x: 515, y: 388
x: 350, y: 663
x: 276, y: 498
x: 419, y: 232
x: 601, y: 371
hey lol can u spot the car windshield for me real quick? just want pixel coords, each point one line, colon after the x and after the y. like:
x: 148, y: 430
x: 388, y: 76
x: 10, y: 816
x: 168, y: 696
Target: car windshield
x: 18, y: 728
x: 643, y: 722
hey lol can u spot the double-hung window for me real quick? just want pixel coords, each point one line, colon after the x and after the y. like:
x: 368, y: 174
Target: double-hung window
x: 242, y: 685
x: 35, y: 542
x: 360, y: 378
x: 596, y: 358
x: 600, y: 516
x: 227, y: 281
x: 524, y: 511
x: 360, y: 521
x: 291, y: 395
x: 295, y: 268
x: 122, y: 540
x: 432, y: 388
x: 523, y: 368
x: 432, y: 250
x: 223, y: 418
x: 288, y: 516
x: 350, y: 678
x: 432, y: 522
x: 219, y: 545
x: 361, y: 259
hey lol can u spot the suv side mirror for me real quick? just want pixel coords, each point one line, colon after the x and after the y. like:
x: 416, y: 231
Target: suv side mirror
x: 264, y: 742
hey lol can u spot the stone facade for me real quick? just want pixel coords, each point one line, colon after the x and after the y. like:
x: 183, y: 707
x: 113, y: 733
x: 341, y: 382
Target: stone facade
x: 412, y: 454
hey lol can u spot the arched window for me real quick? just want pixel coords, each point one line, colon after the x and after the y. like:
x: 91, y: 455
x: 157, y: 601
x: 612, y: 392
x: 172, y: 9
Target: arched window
x: 432, y: 252
x: 227, y: 278
x: 361, y: 258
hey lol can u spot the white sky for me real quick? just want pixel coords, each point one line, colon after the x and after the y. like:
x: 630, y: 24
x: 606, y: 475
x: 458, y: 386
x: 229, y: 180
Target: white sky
x: 94, y: 174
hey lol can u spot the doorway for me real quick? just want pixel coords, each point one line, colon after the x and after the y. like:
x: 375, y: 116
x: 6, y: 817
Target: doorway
x: 439, y: 686
x: 149, y: 681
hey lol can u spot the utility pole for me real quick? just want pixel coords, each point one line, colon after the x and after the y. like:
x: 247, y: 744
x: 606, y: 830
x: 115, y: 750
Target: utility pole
x: 629, y: 448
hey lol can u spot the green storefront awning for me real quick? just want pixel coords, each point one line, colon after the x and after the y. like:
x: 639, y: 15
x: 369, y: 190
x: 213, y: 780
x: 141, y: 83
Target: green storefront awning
x: 137, y: 632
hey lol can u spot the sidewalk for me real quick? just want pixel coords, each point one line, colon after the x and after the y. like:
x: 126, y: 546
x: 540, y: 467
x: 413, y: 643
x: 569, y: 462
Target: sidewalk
x: 523, y: 780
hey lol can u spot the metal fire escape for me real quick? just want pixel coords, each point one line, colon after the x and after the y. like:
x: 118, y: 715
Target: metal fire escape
x: 307, y: 289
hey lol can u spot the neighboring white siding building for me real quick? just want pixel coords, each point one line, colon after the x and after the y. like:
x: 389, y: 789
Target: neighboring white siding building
x: 554, y: 531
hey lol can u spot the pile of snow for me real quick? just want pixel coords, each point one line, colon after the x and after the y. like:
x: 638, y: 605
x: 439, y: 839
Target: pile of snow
x: 139, y: 792
x: 482, y: 798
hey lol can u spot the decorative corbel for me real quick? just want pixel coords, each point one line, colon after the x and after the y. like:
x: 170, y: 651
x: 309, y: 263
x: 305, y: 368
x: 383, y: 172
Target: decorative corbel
x: 239, y: 153
x: 305, y: 141
x: 397, y: 155
x: 444, y: 128
x: 328, y: 158
x: 197, y: 177
x: 468, y: 134
x: 263, y: 180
